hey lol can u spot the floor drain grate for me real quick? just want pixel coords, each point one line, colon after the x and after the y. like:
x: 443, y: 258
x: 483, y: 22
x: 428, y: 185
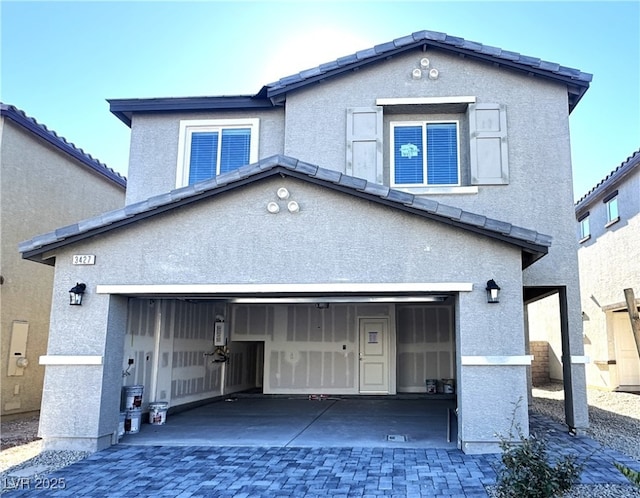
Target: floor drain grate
x: 396, y: 438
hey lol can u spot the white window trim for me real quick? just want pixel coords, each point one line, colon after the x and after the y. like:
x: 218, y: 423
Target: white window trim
x: 467, y: 99
x: 188, y: 127
x: 435, y: 190
x: 424, y: 124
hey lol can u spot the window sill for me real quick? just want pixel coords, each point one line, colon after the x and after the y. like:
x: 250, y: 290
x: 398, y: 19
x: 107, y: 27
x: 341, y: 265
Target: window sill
x: 612, y: 222
x: 584, y: 239
x: 438, y: 190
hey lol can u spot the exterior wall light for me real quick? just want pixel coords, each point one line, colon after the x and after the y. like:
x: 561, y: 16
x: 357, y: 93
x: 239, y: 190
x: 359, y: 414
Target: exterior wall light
x: 434, y: 73
x: 273, y: 207
x: 493, y: 291
x: 282, y: 193
x: 76, y: 293
x: 416, y: 74
x: 293, y: 207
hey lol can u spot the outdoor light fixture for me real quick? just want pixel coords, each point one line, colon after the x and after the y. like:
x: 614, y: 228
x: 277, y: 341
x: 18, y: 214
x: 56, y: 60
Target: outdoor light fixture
x: 322, y: 306
x: 76, y: 293
x: 493, y: 291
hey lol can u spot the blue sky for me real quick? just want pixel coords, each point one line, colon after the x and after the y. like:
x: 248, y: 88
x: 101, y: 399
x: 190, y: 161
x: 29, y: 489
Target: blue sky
x: 62, y: 60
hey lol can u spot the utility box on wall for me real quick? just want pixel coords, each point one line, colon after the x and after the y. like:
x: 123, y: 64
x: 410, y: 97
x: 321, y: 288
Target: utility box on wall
x: 17, y: 360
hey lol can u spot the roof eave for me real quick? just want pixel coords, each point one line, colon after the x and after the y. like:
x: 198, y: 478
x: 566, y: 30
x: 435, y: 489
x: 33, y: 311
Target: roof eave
x: 575, y: 88
x: 124, y: 109
x: 63, y: 145
x: 531, y: 250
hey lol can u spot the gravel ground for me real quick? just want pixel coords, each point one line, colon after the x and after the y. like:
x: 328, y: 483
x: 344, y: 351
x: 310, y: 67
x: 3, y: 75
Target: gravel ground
x: 614, y: 422
x: 614, y: 417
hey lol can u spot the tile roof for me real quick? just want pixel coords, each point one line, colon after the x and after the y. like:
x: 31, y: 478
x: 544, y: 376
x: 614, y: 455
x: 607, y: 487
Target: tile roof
x: 632, y: 162
x: 274, y: 93
x: 443, y: 41
x: 20, y: 117
x: 533, y: 244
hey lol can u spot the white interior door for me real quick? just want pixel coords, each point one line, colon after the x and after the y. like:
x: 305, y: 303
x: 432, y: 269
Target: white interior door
x: 627, y: 358
x: 374, y: 355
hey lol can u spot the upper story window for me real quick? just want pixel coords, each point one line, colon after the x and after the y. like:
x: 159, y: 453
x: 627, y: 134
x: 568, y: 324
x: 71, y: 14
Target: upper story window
x: 436, y: 145
x: 211, y: 147
x: 585, y: 230
x: 611, y: 202
x: 425, y: 154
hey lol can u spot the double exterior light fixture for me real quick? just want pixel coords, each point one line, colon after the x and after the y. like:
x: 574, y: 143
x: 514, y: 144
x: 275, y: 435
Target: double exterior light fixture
x: 493, y: 292
x: 76, y: 293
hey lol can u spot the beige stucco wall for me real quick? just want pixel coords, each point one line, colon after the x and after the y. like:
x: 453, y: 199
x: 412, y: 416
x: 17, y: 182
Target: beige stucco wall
x: 41, y: 189
x: 609, y: 263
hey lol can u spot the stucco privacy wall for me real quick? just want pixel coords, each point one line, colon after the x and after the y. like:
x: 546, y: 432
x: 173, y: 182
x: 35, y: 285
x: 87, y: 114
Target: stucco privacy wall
x: 41, y: 189
x: 153, y: 156
x: 233, y: 239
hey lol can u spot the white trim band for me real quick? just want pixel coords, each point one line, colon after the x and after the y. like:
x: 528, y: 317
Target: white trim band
x: 70, y: 360
x: 496, y: 360
x: 580, y: 360
x: 426, y: 100
x: 298, y: 289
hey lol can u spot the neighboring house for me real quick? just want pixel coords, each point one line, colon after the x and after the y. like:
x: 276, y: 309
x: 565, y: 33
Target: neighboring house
x: 47, y: 182
x: 608, y: 219
x: 332, y: 234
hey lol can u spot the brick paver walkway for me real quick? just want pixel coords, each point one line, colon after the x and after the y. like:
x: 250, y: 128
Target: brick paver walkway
x: 130, y: 471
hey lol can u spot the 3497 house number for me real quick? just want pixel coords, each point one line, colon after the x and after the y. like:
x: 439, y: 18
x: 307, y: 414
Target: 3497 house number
x: 84, y: 259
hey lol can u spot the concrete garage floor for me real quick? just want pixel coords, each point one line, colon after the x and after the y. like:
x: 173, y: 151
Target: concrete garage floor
x: 299, y: 422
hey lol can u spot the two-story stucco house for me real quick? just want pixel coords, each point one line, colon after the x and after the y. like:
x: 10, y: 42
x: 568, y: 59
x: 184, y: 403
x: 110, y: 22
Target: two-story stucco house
x: 46, y: 182
x: 608, y: 219
x: 336, y: 233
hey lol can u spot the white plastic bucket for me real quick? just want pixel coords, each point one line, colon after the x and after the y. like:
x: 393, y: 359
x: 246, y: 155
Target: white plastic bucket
x: 132, y: 421
x: 158, y: 412
x: 123, y: 417
x: 133, y: 397
x: 448, y: 386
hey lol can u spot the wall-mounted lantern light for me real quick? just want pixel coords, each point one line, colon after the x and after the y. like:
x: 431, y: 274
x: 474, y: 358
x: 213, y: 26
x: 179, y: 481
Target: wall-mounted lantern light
x: 493, y: 291
x: 76, y: 293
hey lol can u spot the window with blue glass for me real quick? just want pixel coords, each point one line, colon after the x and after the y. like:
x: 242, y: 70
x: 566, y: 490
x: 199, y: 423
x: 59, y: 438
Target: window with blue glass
x: 210, y: 148
x: 425, y: 154
x: 612, y: 210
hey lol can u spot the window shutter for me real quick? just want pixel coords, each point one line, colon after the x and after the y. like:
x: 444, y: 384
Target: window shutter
x: 488, y: 144
x: 364, y: 143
